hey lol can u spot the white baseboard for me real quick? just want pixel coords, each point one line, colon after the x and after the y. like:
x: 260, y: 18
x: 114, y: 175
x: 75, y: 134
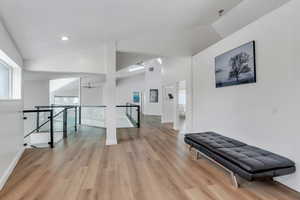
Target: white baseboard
x: 10, y: 168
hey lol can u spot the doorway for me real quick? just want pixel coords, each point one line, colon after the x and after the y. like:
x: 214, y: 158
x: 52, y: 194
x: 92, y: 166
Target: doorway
x: 168, y: 107
x: 175, y: 106
x: 181, y: 106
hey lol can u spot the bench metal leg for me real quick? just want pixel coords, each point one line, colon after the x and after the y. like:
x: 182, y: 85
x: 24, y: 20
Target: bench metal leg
x: 197, y: 155
x: 235, y: 180
x: 234, y: 177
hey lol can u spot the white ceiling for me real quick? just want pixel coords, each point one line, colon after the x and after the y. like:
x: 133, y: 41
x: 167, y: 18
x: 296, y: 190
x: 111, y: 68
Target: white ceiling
x: 38, y: 25
x: 176, y: 42
x: 246, y: 12
x: 155, y: 27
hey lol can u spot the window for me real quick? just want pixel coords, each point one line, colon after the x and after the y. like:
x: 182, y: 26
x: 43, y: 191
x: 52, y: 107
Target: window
x: 10, y: 78
x: 5, y: 81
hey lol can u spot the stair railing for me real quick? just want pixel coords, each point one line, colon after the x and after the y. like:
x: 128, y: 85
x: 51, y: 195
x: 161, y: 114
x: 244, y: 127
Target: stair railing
x: 50, y: 121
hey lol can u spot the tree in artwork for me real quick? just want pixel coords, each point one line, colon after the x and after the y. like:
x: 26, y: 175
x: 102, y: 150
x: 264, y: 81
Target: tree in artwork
x: 239, y: 65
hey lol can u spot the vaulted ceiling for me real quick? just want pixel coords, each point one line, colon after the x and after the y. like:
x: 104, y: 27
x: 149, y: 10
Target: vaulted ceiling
x: 155, y: 27
x: 38, y: 25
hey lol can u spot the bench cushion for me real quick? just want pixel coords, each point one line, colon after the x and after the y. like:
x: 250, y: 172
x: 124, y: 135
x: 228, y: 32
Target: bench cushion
x: 213, y: 140
x: 254, y: 159
x: 249, y: 158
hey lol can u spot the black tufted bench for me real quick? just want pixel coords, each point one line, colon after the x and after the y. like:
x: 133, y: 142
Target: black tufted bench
x: 248, y: 162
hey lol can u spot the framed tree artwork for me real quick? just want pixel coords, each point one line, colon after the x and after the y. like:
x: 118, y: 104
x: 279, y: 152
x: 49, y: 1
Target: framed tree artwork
x: 237, y: 66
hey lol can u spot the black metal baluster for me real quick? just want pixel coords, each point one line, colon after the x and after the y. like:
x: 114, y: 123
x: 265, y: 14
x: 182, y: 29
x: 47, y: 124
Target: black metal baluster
x: 65, y: 121
x: 51, y: 130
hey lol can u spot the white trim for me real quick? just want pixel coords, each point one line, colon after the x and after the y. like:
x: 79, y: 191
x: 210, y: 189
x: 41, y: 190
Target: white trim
x: 11, y: 168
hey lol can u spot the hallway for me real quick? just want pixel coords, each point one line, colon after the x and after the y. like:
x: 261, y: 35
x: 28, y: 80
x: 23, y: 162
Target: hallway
x: 149, y: 163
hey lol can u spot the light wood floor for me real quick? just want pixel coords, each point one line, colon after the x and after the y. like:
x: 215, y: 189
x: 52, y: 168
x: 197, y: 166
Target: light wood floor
x: 151, y: 163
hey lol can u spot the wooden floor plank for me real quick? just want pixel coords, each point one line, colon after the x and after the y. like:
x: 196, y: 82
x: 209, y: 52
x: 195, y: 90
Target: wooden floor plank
x: 148, y: 163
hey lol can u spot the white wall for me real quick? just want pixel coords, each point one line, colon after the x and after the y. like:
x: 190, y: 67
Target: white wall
x: 69, y: 89
x: 175, y: 70
x: 168, y: 105
x: 153, y: 81
x: 92, y: 96
x: 126, y: 87
x: 142, y: 82
x: 11, y: 121
x: 170, y: 72
x: 264, y: 114
x: 125, y: 59
x: 85, y: 60
x: 36, y: 93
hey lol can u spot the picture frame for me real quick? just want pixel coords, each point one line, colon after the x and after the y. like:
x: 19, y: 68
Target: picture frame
x: 153, y: 96
x: 136, y: 97
x: 237, y: 66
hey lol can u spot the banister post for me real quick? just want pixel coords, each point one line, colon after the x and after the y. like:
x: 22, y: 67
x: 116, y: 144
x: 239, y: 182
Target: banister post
x: 139, y: 117
x: 37, y: 120
x: 80, y: 115
x: 51, y: 130
x: 75, y: 118
x: 65, y: 121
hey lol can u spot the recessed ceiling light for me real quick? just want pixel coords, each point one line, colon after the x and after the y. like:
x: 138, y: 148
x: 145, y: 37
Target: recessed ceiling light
x: 64, y: 38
